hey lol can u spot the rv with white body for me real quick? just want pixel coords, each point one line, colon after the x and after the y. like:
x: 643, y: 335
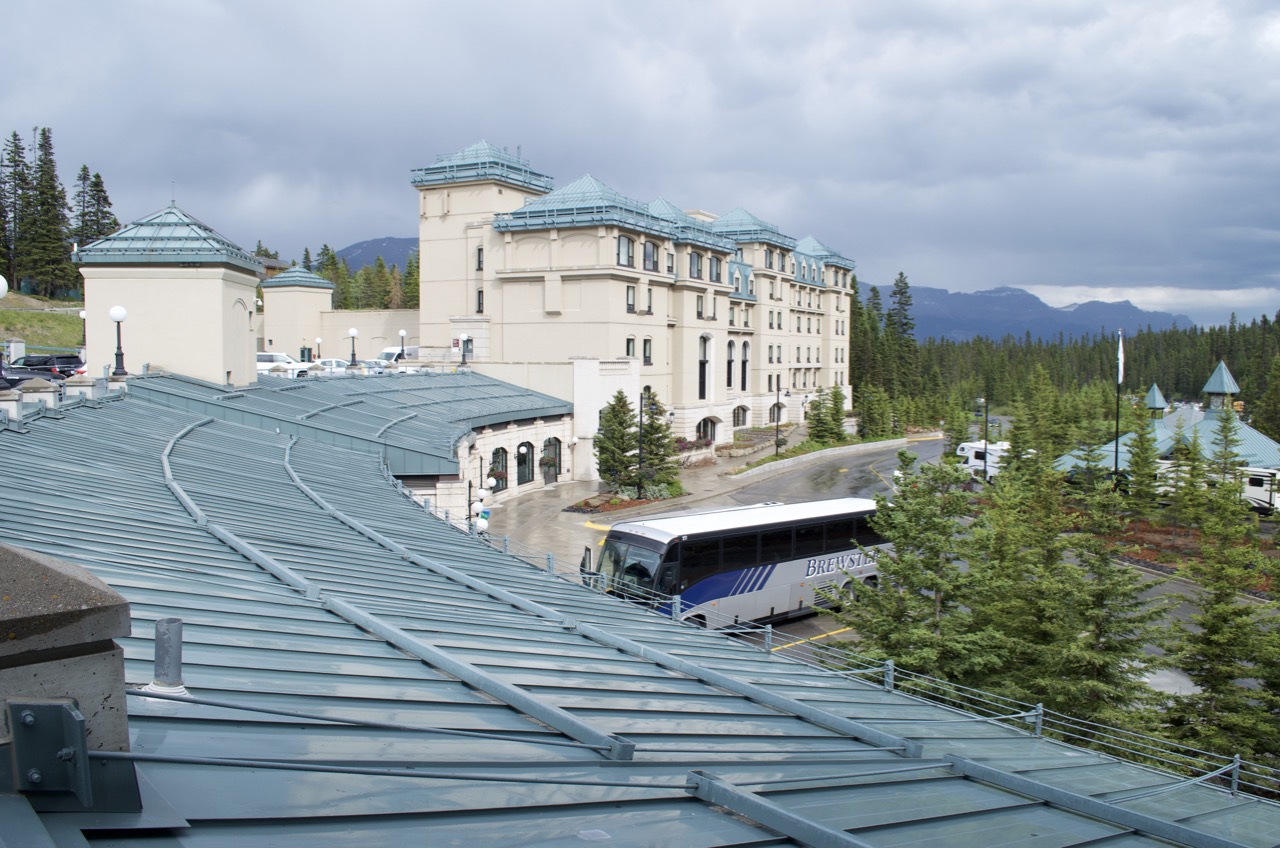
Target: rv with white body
x: 982, y: 458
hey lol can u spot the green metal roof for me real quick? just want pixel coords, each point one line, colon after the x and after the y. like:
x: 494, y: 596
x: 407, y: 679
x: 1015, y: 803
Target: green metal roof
x: 167, y: 237
x: 1155, y: 399
x: 296, y: 276
x: 741, y: 226
x: 413, y: 422
x: 437, y: 691
x: 810, y: 246
x: 482, y: 162
x: 689, y: 230
x: 1221, y: 382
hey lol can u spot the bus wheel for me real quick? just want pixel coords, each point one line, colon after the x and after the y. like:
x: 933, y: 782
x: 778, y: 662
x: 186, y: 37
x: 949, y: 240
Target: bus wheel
x: 871, y: 582
x: 698, y: 620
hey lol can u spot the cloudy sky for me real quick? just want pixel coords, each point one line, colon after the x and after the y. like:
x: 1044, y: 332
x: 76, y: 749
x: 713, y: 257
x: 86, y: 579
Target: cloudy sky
x: 1080, y: 150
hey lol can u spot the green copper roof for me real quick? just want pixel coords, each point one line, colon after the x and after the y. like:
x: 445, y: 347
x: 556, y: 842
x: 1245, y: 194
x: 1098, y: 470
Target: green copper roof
x: 482, y: 161
x: 297, y: 276
x: 741, y: 226
x: 589, y: 203
x: 167, y: 237
x: 1155, y: 399
x: 1221, y: 382
x: 810, y: 246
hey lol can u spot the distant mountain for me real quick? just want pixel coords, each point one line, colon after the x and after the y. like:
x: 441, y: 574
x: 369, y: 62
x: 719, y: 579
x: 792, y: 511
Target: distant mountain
x: 394, y: 251
x: 1005, y: 311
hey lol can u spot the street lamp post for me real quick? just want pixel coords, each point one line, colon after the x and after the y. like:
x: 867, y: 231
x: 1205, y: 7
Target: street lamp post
x: 777, y: 421
x: 353, y: 332
x: 118, y: 314
x: 403, y: 333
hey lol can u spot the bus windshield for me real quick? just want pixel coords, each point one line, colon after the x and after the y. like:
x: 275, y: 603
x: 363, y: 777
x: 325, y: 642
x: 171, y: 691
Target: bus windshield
x: 627, y: 567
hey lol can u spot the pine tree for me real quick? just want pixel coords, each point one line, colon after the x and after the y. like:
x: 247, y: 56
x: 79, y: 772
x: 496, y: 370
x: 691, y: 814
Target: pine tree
x: 917, y: 613
x: 1186, y: 484
x: 80, y: 206
x: 1266, y: 414
x: 44, y: 255
x: 1231, y: 644
x: 411, y: 272
x: 824, y: 428
x: 102, y: 219
x: 616, y: 442
x: 306, y: 258
x: 660, y: 471
x: 395, y: 298
x: 17, y: 203
x: 377, y: 293
x: 1143, y: 472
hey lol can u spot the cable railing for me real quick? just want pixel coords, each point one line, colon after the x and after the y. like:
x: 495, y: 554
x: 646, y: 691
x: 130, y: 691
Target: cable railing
x: 1232, y: 773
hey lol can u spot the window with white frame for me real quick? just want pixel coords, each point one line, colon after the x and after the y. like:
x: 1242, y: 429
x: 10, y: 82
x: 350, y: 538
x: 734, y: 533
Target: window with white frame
x: 648, y: 351
x: 714, y: 269
x: 699, y: 303
x: 695, y: 265
x: 631, y: 345
x: 768, y: 258
x: 631, y: 298
x: 626, y: 251
x: 671, y: 263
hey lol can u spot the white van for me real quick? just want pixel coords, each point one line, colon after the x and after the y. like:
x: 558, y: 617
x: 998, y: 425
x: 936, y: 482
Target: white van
x: 394, y: 361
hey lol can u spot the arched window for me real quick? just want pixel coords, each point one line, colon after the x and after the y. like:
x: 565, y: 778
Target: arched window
x: 746, y: 357
x: 626, y: 251
x: 550, y: 461
x: 704, y: 362
x: 524, y: 463
x: 498, y: 469
x: 707, y: 429
x: 740, y: 414
x: 728, y: 381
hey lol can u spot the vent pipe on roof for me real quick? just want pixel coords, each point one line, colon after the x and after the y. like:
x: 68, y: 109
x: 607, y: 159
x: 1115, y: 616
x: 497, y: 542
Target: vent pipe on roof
x: 168, y: 668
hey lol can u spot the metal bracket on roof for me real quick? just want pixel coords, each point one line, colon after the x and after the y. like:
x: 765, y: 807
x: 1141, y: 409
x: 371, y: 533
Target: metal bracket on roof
x: 805, y: 831
x: 48, y: 753
x: 12, y: 423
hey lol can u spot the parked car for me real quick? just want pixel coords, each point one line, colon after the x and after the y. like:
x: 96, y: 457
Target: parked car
x: 16, y: 375
x: 374, y: 366
x: 330, y: 366
x: 68, y: 365
x: 270, y: 359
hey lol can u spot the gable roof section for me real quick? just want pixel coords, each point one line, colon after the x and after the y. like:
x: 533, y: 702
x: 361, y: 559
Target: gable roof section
x: 412, y: 421
x: 167, y: 237
x: 437, y: 691
x: 482, y: 162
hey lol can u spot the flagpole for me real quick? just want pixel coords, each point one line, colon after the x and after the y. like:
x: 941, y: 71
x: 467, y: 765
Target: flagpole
x: 1115, y: 470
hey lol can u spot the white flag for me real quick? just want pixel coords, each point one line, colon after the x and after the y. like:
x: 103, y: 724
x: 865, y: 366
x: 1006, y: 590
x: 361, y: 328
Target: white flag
x: 1120, y: 360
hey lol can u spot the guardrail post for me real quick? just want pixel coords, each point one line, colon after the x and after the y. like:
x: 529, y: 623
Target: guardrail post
x: 506, y: 544
x: 675, y: 607
x: 551, y: 565
x: 768, y: 637
x: 1039, y: 719
x: 446, y: 516
x: 1235, y: 774
x: 888, y: 675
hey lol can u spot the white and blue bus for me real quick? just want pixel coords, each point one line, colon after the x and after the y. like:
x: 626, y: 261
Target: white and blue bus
x: 763, y: 562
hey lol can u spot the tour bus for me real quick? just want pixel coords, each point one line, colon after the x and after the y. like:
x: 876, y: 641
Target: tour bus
x: 762, y: 562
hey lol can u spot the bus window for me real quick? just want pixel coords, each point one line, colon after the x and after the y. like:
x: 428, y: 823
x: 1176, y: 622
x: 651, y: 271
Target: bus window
x: 809, y: 541
x: 775, y: 545
x: 839, y: 534
x: 628, y: 567
x: 699, y: 559
x: 740, y: 551
x: 866, y: 536
x: 667, y: 580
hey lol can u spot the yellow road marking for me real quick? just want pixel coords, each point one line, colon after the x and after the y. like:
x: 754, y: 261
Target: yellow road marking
x: 591, y: 525
x: 813, y: 638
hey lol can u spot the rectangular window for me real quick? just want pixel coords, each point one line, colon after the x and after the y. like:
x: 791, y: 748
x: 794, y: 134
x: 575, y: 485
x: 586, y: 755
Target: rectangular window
x: 626, y: 251
x: 732, y: 317
x: 695, y: 265
x: 650, y: 256
x: 648, y: 351
x: 671, y: 263
x: 714, y: 269
x: 768, y: 258
x: 631, y: 298
x: 479, y: 258
x: 699, y: 307
x: 631, y: 346
x: 479, y: 301
x: 649, y: 298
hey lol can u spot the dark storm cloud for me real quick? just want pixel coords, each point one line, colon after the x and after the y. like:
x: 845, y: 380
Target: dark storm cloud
x: 1082, y: 150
